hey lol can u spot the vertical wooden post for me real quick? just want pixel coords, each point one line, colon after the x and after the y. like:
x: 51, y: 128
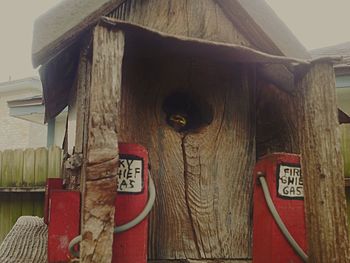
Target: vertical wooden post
x: 322, y: 166
x: 101, y: 156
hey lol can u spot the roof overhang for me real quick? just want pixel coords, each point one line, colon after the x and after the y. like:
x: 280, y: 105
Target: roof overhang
x: 58, y: 28
x: 33, y: 84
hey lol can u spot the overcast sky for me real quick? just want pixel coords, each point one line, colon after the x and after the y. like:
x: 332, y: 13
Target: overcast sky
x: 316, y: 23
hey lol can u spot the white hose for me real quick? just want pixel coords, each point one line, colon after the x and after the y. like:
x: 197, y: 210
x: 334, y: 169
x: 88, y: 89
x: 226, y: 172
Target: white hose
x: 279, y: 221
x: 129, y: 225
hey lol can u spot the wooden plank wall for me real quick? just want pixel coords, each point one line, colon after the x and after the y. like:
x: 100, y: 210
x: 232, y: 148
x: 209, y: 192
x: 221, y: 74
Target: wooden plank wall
x: 345, y: 142
x: 203, y: 192
x: 23, y: 175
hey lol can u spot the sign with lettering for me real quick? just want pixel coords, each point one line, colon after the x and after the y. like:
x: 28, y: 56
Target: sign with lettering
x: 289, y: 182
x: 130, y: 174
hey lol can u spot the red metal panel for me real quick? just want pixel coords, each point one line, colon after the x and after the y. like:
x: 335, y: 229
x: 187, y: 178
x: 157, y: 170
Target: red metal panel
x: 285, y: 184
x: 131, y: 246
x: 64, y: 221
x: 51, y: 184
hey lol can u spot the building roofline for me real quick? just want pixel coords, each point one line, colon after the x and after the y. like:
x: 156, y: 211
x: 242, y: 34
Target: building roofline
x: 31, y: 83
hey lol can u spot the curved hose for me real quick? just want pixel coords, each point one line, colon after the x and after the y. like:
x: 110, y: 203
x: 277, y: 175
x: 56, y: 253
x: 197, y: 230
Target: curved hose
x: 126, y: 226
x: 279, y: 221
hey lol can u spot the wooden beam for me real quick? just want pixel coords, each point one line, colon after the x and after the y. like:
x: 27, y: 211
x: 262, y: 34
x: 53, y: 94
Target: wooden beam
x: 100, y: 166
x: 322, y: 166
x: 59, y: 27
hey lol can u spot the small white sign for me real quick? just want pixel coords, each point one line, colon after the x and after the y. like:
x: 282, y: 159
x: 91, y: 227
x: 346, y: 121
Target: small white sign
x: 290, y: 182
x: 130, y: 175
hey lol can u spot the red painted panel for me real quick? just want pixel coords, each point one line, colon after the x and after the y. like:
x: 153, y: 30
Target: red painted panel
x: 64, y: 221
x: 285, y: 184
x: 131, y: 246
x: 51, y: 184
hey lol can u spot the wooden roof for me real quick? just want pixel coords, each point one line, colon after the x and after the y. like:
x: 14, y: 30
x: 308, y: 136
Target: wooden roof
x: 58, y: 28
x: 342, y: 50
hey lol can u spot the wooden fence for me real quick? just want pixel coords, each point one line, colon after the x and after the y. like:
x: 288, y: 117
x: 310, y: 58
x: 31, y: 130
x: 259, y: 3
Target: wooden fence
x: 23, y: 175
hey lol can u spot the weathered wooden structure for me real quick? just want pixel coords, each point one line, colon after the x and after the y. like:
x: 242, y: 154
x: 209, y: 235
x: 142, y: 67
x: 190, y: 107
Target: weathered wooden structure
x: 207, y: 87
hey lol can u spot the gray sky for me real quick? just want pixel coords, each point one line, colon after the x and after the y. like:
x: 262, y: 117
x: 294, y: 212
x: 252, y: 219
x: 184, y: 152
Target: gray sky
x: 316, y: 23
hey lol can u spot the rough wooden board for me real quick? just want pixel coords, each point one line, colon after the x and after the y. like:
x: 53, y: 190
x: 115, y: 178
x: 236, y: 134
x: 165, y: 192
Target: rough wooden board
x: 28, y: 167
x: 54, y: 162
x: 201, y: 19
x: 17, y: 167
x: 276, y: 121
x: 6, y: 168
x: 202, y: 210
x: 101, y: 156
x: 345, y: 147
x: 59, y: 27
x: 322, y: 166
x: 40, y: 166
x: 170, y: 44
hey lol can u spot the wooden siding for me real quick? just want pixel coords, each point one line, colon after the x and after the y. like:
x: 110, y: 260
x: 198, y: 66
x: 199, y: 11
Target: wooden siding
x: 203, y: 204
x: 202, y: 19
x: 23, y: 175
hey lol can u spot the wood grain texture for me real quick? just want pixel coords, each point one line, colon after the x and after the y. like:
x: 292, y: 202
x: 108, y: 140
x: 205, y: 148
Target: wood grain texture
x: 6, y: 168
x: 101, y: 155
x: 54, y: 162
x: 196, y: 18
x: 345, y: 147
x: 322, y: 166
x: 276, y: 120
x: 203, y: 179
x: 41, y: 166
x: 28, y: 167
x: 78, y: 106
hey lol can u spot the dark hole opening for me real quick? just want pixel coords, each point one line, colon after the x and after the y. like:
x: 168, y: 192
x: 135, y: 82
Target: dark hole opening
x: 186, y: 112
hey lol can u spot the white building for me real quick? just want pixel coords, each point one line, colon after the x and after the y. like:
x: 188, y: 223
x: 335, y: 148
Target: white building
x: 16, y: 132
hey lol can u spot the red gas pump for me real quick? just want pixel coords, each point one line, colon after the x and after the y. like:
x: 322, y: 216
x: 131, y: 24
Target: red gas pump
x: 278, y: 217
x: 133, y: 204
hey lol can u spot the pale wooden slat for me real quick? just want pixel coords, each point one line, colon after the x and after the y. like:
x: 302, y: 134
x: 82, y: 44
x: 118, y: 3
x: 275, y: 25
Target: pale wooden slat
x: 6, y: 168
x: 17, y: 167
x: 28, y: 167
x: 54, y: 162
x: 41, y: 166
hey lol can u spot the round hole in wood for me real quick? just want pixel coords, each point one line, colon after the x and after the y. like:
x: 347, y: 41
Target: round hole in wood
x: 186, y: 112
